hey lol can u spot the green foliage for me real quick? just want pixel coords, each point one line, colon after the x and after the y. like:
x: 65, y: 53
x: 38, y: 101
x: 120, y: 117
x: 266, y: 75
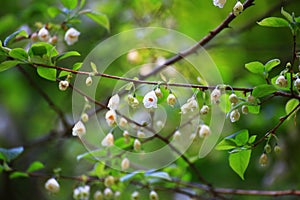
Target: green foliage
x: 274, y: 22
x: 35, y: 166
x: 8, y: 155
x: 70, y: 4
x: 100, y: 18
x: 8, y: 64
x: 263, y: 90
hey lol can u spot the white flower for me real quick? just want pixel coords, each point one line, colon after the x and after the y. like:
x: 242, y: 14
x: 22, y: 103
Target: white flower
x: 219, y: 3
x: 52, y: 185
x: 234, y: 116
x: 233, y: 98
x: 78, y: 129
x: 176, y: 135
x: 108, y: 141
x: 140, y: 134
x: 245, y: 109
x: 137, y: 145
x: 204, y: 110
x: 281, y: 81
x: 108, y: 193
x: 189, y: 106
x: 81, y: 192
x: 123, y: 122
x: 171, y: 100
x: 158, y: 92
x: 88, y: 81
x: 71, y: 36
x: 63, y: 85
x: 114, y: 102
x: 43, y: 34
x: 133, y: 56
x: 215, y: 96
x: 238, y: 8
x: 109, y: 181
x: 297, y: 83
x: 150, y: 100
x: 111, y: 117
x: 125, y: 164
x: 84, y: 117
x: 98, y: 195
x: 135, y: 195
x: 204, y: 131
x: 153, y: 195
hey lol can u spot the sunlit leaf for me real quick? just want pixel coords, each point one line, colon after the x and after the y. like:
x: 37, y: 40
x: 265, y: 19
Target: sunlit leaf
x: 254, y: 109
x: 255, y: 67
x: 18, y: 175
x: 35, y: 166
x: 134, y: 175
x: 263, y: 90
x: 287, y: 15
x: 239, y: 162
x: 271, y: 64
x: 274, y: 22
x: 67, y: 54
x: 19, y: 54
x: 47, y: 73
x: 99, y: 18
x: 252, y: 139
x: 10, y: 154
x: 53, y: 11
x: 226, y: 145
x: 8, y: 64
x: 241, y: 137
x: 70, y: 4
x: 159, y: 175
x: 291, y: 105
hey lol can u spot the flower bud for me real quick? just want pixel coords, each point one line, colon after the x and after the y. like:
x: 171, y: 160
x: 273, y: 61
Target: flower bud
x: 137, y: 145
x: 108, y: 141
x: 117, y: 195
x: 53, y: 40
x: 78, y: 129
x: 215, y: 96
x: 125, y: 164
x: 281, y: 81
x: 109, y: 181
x: 71, y: 36
x: 114, y: 102
x: 204, y: 131
x: 153, y: 195
x: 98, y: 195
x: 219, y: 3
x: 140, y: 134
x: 123, y: 122
x: 171, y: 100
x: 126, y: 136
x: 34, y: 37
x: 297, y: 83
x: 234, y: 115
x: 135, y: 195
x: 43, y: 34
x: 277, y: 149
x: 233, y: 98
x: 204, y: 110
x: 238, y: 8
x: 81, y: 192
x: 63, y: 85
x: 250, y: 98
x: 176, y: 135
x: 88, y: 81
x: 268, y: 148
x: 133, y: 56
x: 52, y: 185
x: 84, y: 117
x: 108, y: 193
x: 245, y: 109
x: 158, y: 92
x: 263, y: 160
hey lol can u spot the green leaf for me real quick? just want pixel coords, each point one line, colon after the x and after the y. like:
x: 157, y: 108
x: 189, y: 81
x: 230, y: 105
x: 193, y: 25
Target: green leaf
x: 252, y: 139
x: 99, y: 18
x: 19, y: 54
x: 41, y: 49
x: 286, y: 15
x: 47, y: 73
x: 239, y: 162
x: 274, y: 22
x: 271, y: 64
x: 8, y: 64
x: 67, y: 54
x: 263, y: 90
x: 18, y: 175
x: 159, y: 175
x: 94, y: 67
x: 53, y: 11
x: 10, y: 154
x: 98, y: 170
x: 35, y: 166
x: 82, y: 3
x: 255, y: 67
x: 137, y: 175
x: 290, y: 105
x: 254, y: 109
x: 13, y: 36
x: 226, y: 145
x: 70, y: 4
x: 241, y: 137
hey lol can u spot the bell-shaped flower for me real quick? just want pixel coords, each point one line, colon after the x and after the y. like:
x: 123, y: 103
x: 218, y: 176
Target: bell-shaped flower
x: 78, y: 129
x: 44, y: 34
x: 215, y: 96
x: 108, y: 141
x: 71, y: 36
x: 204, y: 131
x: 238, y: 8
x: 150, y: 100
x: 171, y: 99
x: 234, y: 115
x: 111, y: 117
x: 219, y: 3
x: 114, y: 102
x: 52, y: 185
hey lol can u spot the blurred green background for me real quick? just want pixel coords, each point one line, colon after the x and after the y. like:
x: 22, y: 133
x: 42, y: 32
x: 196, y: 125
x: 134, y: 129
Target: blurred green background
x: 25, y: 116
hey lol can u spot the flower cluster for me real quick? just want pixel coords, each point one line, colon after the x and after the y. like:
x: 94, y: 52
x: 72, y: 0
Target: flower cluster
x: 81, y: 192
x: 70, y: 37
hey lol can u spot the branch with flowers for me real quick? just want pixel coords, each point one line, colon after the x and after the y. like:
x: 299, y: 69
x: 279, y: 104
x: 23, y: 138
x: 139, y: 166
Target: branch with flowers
x: 134, y: 135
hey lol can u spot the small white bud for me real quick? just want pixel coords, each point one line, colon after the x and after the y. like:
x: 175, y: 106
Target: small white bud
x: 238, y: 8
x: 71, y: 36
x: 297, y: 83
x: 88, y: 81
x: 43, y: 34
x: 153, y: 195
x: 245, y: 109
x: 84, y: 117
x: 135, y: 195
x: 233, y: 98
x: 123, y: 122
x: 133, y: 56
x: 137, y: 145
x: 215, y: 96
x: 53, y: 40
x: 108, y: 193
x: 158, y: 92
x: 108, y: 140
x: 117, y: 195
x: 140, y: 134
x: 219, y: 3
x: 176, y: 135
x: 98, y: 195
x: 204, y: 131
x: 109, y: 181
x: 125, y: 164
x: 52, y: 185
x: 81, y: 192
x: 63, y: 85
x: 78, y: 129
x: 204, y: 110
x: 251, y: 99
x: 114, y: 102
x: 281, y: 81
x: 171, y: 100
x: 234, y: 115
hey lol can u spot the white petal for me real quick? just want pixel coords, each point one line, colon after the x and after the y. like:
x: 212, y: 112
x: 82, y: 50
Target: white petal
x: 114, y: 102
x: 150, y: 100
